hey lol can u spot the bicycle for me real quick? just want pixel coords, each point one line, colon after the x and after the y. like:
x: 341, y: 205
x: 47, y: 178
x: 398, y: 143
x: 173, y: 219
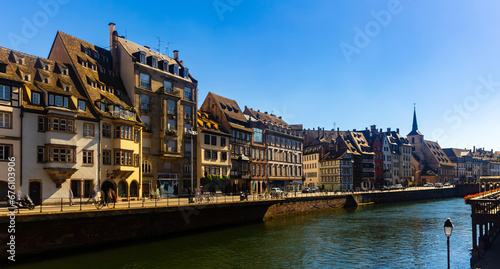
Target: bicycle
x: 101, y: 203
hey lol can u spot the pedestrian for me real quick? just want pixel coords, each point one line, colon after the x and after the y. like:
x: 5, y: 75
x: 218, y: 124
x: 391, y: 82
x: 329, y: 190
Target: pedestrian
x: 70, y: 197
x: 189, y: 192
x: 197, y: 194
x: 112, y: 196
x: 201, y: 194
x: 160, y: 192
x: 104, y: 197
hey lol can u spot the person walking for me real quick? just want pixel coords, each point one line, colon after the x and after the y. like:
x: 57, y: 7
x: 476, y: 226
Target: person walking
x: 112, y: 196
x: 70, y: 197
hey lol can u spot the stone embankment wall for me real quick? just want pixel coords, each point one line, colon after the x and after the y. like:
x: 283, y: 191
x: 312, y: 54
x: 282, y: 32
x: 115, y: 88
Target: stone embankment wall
x: 52, y: 233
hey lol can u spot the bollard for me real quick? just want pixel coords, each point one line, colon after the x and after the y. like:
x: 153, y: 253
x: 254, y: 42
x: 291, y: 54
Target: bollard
x: 129, y: 202
x: 143, y: 201
x: 167, y: 200
x: 80, y: 203
x: 61, y: 204
x: 156, y: 200
x: 40, y: 205
x: 178, y: 200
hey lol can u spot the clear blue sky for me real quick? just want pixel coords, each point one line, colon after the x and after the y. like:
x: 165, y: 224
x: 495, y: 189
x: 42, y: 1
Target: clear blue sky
x: 355, y: 63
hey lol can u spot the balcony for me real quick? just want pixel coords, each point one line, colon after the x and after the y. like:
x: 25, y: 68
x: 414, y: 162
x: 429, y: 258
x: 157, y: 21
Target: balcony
x: 171, y: 132
x: 126, y: 115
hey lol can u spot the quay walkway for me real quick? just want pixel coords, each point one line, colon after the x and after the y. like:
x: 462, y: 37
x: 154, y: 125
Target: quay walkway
x: 57, y: 205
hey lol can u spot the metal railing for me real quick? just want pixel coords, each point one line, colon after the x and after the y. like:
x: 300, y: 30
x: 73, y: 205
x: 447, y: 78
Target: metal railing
x: 55, y: 205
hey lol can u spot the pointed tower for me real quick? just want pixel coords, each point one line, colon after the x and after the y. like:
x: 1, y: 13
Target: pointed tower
x: 415, y: 137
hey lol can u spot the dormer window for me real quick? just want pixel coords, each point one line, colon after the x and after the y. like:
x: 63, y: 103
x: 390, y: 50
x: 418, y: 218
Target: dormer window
x: 20, y: 60
x: 176, y: 69
x: 64, y: 71
x: 165, y: 65
x: 67, y: 87
x: 45, y: 67
x: 103, y: 106
x: 154, y: 62
x: 84, y: 63
x: 27, y: 77
x: 143, y: 57
x: 35, y: 98
x: 186, y: 74
x: 103, y: 88
x: 81, y: 105
x: 45, y: 79
x: 110, y: 90
x: 94, y: 67
x: 58, y: 100
x: 102, y: 70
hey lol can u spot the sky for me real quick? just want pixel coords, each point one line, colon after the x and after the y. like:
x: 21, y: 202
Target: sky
x: 332, y: 64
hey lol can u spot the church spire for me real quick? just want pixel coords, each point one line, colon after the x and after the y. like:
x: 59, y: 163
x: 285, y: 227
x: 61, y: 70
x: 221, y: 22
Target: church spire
x: 415, y: 125
x: 414, y: 128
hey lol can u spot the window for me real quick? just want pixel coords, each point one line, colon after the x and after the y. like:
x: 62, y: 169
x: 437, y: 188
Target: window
x: 168, y: 86
x: 5, y: 152
x: 171, y: 107
x: 207, y: 139
x: 214, y: 140
x: 60, y: 154
x: 172, y: 146
x: 208, y: 154
x: 188, y: 112
x: 88, y: 130
x: 4, y: 92
x: 171, y: 124
x: 137, y: 136
x: 5, y: 120
x: 176, y: 69
x: 146, y: 167
x: 223, y: 156
x: 64, y: 71
x: 136, y: 160
x: 40, y: 154
x: 188, y: 94
x: 145, y: 120
x: 81, y: 105
x: 214, y: 154
x: 103, y: 107
x: 106, y: 157
x: 41, y: 124
x: 35, y: 98
x: 154, y: 62
x: 106, y: 130
x: 257, y: 135
x: 143, y: 58
x: 88, y: 157
x: 222, y: 141
x: 144, y: 102
x: 58, y: 100
x: 123, y: 132
x: 187, y: 127
x: 123, y: 157
x: 145, y: 81
x: 186, y: 72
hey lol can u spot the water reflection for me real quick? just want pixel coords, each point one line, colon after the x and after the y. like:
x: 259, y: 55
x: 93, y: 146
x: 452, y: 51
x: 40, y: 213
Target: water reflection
x: 408, y: 235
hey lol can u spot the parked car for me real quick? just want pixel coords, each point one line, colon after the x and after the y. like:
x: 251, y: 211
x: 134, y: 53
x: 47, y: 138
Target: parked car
x: 316, y: 189
x: 429, y: 185
x: 306, y: 190
x: 399, y: 186
x: 439, y: 185
x: 447, y: 184
x: 276, y: 190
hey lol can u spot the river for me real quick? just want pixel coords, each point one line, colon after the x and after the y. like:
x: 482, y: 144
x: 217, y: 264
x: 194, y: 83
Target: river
x: 404, y: 235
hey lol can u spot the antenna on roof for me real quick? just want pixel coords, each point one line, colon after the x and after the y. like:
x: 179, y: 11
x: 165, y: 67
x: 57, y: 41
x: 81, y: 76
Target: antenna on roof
x: 334, y: 124
x: 168, y: 44
x: 159, y: 44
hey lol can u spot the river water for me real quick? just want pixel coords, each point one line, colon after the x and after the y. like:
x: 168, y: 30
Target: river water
x: 404, y: 235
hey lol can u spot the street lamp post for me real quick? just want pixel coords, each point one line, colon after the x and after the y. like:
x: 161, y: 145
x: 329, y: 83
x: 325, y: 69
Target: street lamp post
x: 192, y: 133
x: 448, y: 229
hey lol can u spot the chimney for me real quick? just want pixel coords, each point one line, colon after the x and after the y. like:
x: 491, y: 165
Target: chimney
x: 338, y: 129
x: 473, y: 148
x: 397, y: 130
x: 111, y: 32
x: 354, y: 130
x: 146, y: 47
x: 366, y: 128
x: 176, y: 54
x: 380, y: 130
x: 388, y: 130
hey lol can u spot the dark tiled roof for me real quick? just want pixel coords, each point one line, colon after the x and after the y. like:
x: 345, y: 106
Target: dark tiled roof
x: 206, y: 121
x: 437, y: 152
x: 268, y: 118
x: 79, y: 51
x: 229, y: 107
x: 33, y: 67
